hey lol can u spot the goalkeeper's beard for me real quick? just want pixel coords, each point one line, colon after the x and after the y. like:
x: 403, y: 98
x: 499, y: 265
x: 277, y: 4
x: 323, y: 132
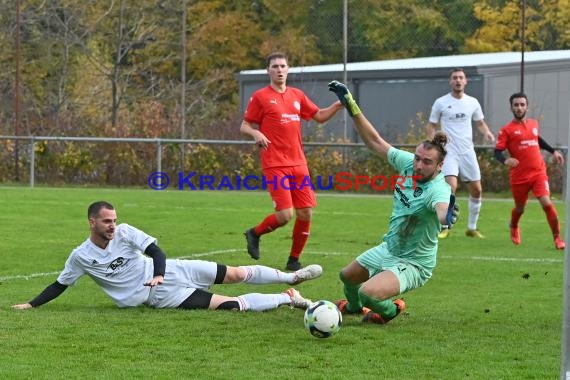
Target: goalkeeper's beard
x: 423, y: 178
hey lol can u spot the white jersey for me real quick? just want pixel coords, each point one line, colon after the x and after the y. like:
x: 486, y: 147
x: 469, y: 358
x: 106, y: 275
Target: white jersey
x: 120, y: 270
x: 455, y: 115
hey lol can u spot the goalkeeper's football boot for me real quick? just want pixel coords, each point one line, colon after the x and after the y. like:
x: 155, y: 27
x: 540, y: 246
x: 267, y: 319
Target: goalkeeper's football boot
x: 444, y: 233
x: 516, y: 235
x: 252, y: 243
x: 297, y: 300
x: 307, y: 273
x: 341, y: 304
x: 474, y: 234
x: 559, y: 243
x: 372, y: 317
x: 342, y: 307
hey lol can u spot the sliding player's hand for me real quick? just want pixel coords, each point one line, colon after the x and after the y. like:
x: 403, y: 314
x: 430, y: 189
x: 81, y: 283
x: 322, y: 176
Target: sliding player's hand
x: 156, y: 280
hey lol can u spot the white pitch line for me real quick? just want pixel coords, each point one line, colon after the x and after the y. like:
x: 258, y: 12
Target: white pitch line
x: 510, y: 259
x: 27, y: 276
x: 233, y: 250
x: 210, y: 253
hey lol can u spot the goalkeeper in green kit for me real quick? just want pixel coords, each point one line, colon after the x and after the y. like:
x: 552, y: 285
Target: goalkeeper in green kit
x: 406, y: 257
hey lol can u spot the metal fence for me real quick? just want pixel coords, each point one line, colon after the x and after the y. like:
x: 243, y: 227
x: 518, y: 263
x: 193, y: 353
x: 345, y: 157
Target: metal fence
x: 224, y: 157
x: 30, y: 142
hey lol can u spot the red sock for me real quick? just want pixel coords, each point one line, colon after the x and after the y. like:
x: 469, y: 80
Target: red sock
x: 268, y: 225
x: 552, y: 217
x: 301, y: 232
x: 515, y: 217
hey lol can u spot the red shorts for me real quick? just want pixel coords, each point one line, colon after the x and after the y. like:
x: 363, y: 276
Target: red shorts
x: 290, y: 187
x: 538, y: 185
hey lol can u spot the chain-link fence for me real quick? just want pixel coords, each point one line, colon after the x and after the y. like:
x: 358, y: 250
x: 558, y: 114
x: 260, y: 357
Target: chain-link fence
x: 84, y: 161
x: 373, y: 30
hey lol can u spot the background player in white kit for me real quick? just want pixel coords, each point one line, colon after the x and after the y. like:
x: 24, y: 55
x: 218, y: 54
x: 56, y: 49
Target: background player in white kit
x: 454, y: 112
x: 113, y: 257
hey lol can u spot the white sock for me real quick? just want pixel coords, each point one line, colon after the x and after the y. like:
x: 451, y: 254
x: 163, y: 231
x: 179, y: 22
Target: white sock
x: 262, y: 302
x: 259, y: 274
x: 474, y: 210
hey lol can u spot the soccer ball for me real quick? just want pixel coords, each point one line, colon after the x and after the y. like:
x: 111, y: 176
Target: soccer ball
x: 323, y: 319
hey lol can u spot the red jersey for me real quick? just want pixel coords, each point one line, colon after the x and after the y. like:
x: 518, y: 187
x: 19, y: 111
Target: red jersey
x: 279, y: 118
x: 521, y: 140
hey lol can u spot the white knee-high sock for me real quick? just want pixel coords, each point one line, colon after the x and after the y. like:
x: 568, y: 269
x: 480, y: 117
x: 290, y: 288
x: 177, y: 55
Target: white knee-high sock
x: 262, y: 302
x: 259, y: 274
x: 474, y: 210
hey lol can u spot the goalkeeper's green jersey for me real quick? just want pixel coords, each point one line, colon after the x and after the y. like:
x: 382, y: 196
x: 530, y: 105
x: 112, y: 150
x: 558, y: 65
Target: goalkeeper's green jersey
x: 414, y: 226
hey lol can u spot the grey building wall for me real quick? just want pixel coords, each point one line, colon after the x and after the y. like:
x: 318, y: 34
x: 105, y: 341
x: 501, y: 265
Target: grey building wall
x: 397, y: 105
x: 548, y: 89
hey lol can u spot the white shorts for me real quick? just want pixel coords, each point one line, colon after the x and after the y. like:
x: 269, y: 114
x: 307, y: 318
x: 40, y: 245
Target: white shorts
x: 464, y: 166
x: 182, y: 277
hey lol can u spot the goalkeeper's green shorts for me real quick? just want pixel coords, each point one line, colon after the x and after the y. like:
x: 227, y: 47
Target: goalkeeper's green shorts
x: 378, y: 259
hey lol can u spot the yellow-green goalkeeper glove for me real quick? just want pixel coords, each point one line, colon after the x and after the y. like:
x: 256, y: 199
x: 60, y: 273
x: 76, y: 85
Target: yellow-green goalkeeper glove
x: 345, y: 97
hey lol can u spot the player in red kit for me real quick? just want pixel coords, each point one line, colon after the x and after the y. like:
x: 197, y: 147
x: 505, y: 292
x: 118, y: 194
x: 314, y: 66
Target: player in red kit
x: 527, y: 171
x: 273, y: 119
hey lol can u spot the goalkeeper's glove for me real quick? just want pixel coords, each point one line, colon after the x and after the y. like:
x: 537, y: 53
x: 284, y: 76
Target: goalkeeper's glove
x: 345, y: 97
x: 452, y: 212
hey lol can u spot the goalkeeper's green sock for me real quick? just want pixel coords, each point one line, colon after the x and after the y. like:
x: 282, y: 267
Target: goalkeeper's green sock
x: 352, y: 295
x: 387, y: 309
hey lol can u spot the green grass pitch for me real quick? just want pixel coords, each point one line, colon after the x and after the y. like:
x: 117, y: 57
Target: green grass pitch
x: 491, y: 310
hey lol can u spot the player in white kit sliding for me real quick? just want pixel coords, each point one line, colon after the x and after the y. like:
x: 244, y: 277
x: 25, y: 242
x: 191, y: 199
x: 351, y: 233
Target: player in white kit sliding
x: 132, y: 270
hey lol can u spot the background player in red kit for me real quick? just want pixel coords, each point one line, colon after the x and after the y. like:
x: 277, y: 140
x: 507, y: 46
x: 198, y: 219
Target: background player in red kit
x: 273, y: 119
x: 527, y: 171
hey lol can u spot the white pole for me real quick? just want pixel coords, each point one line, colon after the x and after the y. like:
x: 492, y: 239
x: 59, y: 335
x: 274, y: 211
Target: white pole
x: 345, y: 56
x: 183, y: 87
x: 565, y: 359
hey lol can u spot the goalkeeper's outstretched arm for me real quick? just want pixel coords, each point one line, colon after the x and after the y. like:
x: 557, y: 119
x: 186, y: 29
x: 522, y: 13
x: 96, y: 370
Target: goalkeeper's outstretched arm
x: 370, y: 136
x: 365, y: 129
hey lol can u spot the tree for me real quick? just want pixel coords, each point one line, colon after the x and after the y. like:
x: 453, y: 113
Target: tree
x: 546, y: 26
